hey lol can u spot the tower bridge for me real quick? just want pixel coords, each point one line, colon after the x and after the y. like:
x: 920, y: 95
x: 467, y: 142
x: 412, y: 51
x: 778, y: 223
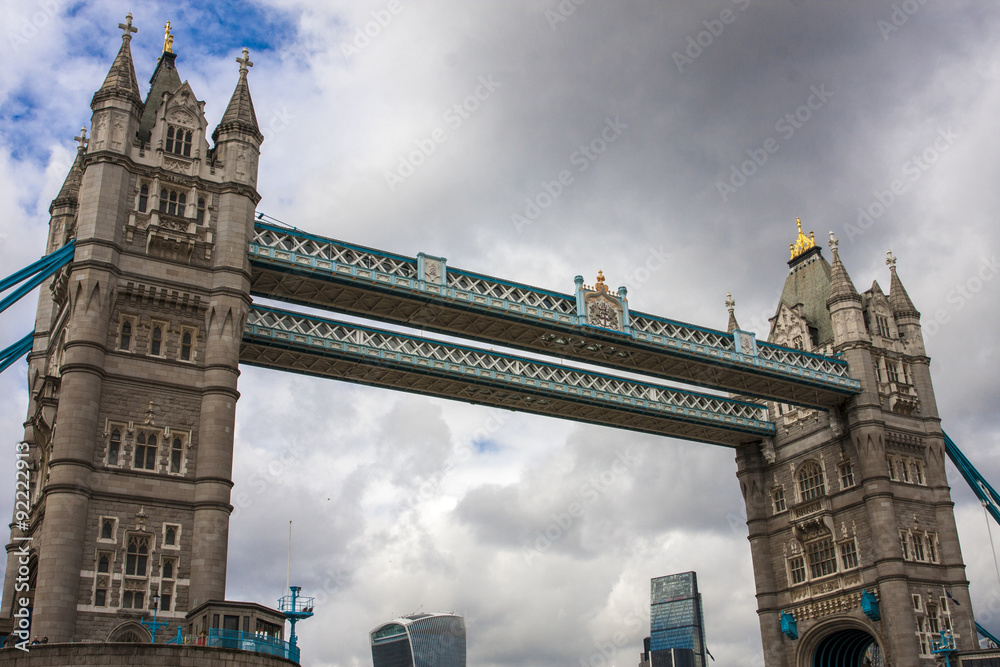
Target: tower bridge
x: 147, y: 311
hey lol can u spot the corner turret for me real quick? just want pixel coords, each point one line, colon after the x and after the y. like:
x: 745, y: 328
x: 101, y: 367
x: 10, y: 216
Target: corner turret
x: 117, y: 104
x: 238, y: 137
x: 844, y: 303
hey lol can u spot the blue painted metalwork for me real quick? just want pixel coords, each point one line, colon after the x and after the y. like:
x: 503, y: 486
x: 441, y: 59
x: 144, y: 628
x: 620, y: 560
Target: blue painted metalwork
x: 35, y: 274
x: 869, y: 605
x: 295, y: 609
x: 293, y: 251
x: 789, y: 627
x: 14, y: 352
x: 318, y: 336
x: 986, y: 633
x: 987, y: 495
x: 249, y: 641
x: 945, y: 646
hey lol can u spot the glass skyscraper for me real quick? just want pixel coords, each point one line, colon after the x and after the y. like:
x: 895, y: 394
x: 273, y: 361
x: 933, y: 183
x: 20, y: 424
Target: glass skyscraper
x: 676, y: 622
x: 420, y: 640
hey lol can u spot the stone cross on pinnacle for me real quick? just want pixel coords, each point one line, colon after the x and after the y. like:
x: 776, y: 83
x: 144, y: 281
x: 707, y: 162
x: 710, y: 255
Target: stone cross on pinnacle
x: 890, y: 259
x: 834, y: 242
x: 127, y: 27
x: 82, y: 139
x: 245, y: 61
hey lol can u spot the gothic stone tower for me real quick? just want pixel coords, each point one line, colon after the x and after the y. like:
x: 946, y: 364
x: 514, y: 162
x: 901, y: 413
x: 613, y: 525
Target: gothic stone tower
x: 135, y: 360
x: 854, y: 500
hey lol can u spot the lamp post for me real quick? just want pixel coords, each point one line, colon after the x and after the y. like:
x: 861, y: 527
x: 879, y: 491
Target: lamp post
x: 154, y: 625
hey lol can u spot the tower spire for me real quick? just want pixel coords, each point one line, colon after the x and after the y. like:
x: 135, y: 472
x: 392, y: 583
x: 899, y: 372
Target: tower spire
x: 121, y: 81
x: 239, y: 114
x: 731, y: 307
x: 899, y: 300
x: 841, y: 287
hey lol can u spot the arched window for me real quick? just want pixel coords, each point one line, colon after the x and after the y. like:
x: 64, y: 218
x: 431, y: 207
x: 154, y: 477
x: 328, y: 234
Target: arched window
x: 155, y: 341
x: 114, y: 447
x: 810, y: 478
x: 186, y: 346
x: 125, y: 340
x: 145, y: 451
x: 200, y: 219
x: 137, y: 556
x: 143, y: 197
x: 104, y: 563
x: 107, y: 529
x: 170, y: 536
x: 168, y: 570
x: 178, y: 141
x: 172, y: 202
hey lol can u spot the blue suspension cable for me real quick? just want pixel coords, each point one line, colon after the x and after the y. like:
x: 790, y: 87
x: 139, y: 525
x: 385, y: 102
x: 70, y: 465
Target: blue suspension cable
x: 41, y: 270
x: 14, y: 352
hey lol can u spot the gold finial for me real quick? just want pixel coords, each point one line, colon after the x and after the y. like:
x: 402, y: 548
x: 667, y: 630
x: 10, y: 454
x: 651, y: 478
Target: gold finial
x: 599, y: 285
x: 168, y: 39
x: 802, y: 242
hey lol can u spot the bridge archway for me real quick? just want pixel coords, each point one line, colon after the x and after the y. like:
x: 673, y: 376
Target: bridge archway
x: 841, y: 643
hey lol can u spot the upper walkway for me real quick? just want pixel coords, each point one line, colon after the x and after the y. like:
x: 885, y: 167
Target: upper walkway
x: 423, y: 292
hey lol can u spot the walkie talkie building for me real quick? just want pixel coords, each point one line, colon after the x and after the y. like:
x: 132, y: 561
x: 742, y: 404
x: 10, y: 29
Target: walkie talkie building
x: 420, y: 640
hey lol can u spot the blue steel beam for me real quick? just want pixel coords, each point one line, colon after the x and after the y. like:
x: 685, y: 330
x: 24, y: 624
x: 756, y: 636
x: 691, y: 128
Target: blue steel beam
x: 35, y: 274
x: 301, y: 268
x: 327, y: 348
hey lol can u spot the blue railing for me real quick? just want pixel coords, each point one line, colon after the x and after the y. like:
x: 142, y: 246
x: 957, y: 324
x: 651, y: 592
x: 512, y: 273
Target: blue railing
x: 248, y: 641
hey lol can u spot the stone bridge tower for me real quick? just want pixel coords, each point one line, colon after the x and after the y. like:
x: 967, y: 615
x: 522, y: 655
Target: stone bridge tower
x: 850, y: 515
x: 135, y: 361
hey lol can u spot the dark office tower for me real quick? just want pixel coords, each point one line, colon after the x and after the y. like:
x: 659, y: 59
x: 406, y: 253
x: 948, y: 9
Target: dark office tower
x: 420, y: 640
x: 676, y: 625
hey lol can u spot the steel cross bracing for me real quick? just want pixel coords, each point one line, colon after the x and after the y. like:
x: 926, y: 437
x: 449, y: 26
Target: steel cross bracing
x: 292, y: 341
x: 294, y: 266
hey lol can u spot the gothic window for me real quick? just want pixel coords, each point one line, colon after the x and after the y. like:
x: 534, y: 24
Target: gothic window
x: 125, y: 336
x: 904, y: 471
x: 104, y: 562
x: 143, y: 198
x: 916, y: 605
x: 932, y: 555
x: 917, y: 470
x: 904, y: 544
x: 107, y: 528
x: 810, y: 478
x: 200, y: 219
x: 892, y: 467
x: 176, y: 455
x: 114, y: 447
x: 846, y: 475
x: 187, y: 338
x: 137, y: 556
x: 156, y: 340
x: 797, y: 569
x: 171, y: 534
x: 892, y: 370
x: 145, y: 451
x: 848, y: 555
x: 134, y: 599
x: 166, y: 596
x: 822, y: 558
x: 101, y: 597
x: 172, y: 202
x: 167, y: 570
x: 178, y: 141
x: 882, y: 322
x: 933, y: 620
x: 778, y: 496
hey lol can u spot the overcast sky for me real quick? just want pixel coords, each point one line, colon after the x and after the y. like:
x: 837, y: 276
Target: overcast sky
x: 403, y: 502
